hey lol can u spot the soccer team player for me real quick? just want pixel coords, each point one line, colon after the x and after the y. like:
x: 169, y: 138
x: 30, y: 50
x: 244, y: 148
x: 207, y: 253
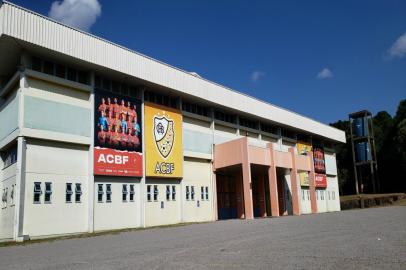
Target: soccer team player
x: 118, y: 124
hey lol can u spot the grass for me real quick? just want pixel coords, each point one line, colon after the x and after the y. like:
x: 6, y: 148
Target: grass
x: 94, y: 234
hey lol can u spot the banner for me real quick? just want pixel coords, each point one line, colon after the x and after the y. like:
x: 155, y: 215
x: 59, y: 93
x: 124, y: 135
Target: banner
x: 304, y: 179
x: 163, y: 139
x: 319, y: 163
x: 320, y: 180
x: 117, y: 136
x: 303, y: 148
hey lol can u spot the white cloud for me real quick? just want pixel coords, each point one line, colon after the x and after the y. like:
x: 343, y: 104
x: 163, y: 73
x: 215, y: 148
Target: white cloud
x: 257, y: 75
x: 80, y: 14
x: 398, y: 49
x: 325, y: 73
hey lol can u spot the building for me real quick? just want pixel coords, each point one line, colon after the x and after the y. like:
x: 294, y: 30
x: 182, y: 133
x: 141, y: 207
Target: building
x: 94, y: 137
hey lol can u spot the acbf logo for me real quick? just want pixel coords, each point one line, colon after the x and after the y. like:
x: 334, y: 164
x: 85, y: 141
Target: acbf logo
x: 164, y: 135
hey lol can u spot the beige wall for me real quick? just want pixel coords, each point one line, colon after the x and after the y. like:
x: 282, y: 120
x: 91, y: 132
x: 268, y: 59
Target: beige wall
x: 171, y: 212
x: 117, y: 214
x: 333, y: 201
x: 197, y: 173
x: 59, y: 164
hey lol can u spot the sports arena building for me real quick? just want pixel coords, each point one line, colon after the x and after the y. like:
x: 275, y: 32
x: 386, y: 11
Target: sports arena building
x: 94, y: 136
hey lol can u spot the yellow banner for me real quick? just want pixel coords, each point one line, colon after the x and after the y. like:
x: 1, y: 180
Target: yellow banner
x: 303, y: 148
x: 304, y: 178
x: 163, y: 141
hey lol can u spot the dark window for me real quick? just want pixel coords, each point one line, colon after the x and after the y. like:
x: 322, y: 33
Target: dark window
x: 97, y: 82
x: 132, y: 193
x: 108, y: 192
x: 100, y: 193
x: 269, y: 128
x: 149, y: 193
x: 133, y: 92
x: 48, y: 192
x: 155, y: 193
x: 288, y: 134
x: 82, y: 77
x: 69, y: 192
x: 187, y: 193
x: 71, y: 74
x: 48, y: 68
x: 36, y: 64
x: 202, y: 193
x: 124, y: 90
x: 168, y: 192
x: 173, y: 193
x: 106, y: 84
x: 37, y: 192
x: 9, y: 156
x: 207, y: 193
x: 225, y: 117
x: 125, y: 193
x: 195, y: 108
x: 248, y: 123
x: 60, y: 71
x: 115, y: 86
x: 78, y: 193
x: 192, y: 193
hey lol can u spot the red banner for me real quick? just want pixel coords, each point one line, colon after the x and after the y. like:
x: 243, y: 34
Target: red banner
x: 320, y: 180
x: 114, y: 162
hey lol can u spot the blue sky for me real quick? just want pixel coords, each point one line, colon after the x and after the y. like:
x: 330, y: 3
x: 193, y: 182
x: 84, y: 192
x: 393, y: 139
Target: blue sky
x: 322, y: 59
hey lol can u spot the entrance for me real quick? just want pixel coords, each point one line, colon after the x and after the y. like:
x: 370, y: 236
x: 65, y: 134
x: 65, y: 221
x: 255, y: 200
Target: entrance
x: 230, y: 199
x: 284, y: 192
x: 260, y: 191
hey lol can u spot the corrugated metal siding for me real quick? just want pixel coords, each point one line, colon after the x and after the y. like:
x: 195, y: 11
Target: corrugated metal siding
x: 33, y: 28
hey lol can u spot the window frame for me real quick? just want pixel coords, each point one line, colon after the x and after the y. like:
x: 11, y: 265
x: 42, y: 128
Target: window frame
x: 48, y: 192
x: 149, y: 193
x: 168, y: 193
x: 132, y: 192
x: 100, y: 193
x: 173, y: 195
x: 124, y: 190
x: 156, y: 193
x: 109, y: 193
x: 78, y: 192
x: 68, y: 193
x: 37, y: 192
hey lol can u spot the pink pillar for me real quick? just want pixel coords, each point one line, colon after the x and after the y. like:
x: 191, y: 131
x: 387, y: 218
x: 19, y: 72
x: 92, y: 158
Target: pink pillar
x: 293, y: 183
x: 312, y: 184
x: 240, y: 197
x: 273, y: 186
x: 246, y: 178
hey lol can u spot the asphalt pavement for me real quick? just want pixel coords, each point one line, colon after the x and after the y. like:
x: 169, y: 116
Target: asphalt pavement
x: 356, y: 239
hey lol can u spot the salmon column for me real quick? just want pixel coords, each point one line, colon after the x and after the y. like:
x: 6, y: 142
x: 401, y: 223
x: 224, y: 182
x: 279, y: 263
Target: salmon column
x: 294, y: 185
x: 312, y: 185
x: 273, y: 188
x: 246, y: 175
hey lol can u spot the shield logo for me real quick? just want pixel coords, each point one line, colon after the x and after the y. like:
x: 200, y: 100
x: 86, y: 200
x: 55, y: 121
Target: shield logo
x: 164, y: 135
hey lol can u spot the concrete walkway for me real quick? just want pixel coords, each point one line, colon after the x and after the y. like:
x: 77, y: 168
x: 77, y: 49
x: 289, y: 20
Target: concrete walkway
x: 358, y: 239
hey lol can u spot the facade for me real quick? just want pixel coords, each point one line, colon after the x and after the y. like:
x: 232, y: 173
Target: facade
x: 96, y: 137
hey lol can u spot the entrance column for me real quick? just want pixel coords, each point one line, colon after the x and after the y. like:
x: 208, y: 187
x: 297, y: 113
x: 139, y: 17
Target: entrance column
x: 246, y: 179
x: 273, y: 187
x: 312, y: 184
x: 293, y: 183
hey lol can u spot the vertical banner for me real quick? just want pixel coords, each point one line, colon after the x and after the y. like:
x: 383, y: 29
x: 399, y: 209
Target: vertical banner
x: 163, y: 139
x: 318, y: 157
x: 117, y: 138
x: 304, y: 148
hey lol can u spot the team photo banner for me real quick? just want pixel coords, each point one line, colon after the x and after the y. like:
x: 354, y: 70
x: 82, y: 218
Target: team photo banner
x: 117, y: 136
x: 163, y: 139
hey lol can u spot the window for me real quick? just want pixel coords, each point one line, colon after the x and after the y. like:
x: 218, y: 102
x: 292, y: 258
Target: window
x: 108, y: 192
x: 303, y: 195
x: 333, y: 194
x: 202, y: 193
x: 328, y: 194
x: 9, y: 156
x: 36, y: 64
x: 207, y: 193
x: 317, y: 194
x: 48, y: 68
x: 195, y: 108
x: 288, y: 134
x: 269, y: 128
x: 187, y: 193
x: 78, y: 192
x: 173, y: 193
x: 248, y: 123
x: 149, y: 193
x: 60, y: 71
x: 125, y: 193
x: 71, y: 74
x: 225, y: 117
x: 192, y: 193
x: 161, y: 99
x: 132, y: 193
x: 100, y: 193
x: 168, y: 192
x: 82, y: 77
x: 69, y: 192
x: 48, y: 192
x: 37, y: 192
x: 308, y: 195
x: 155, y: 193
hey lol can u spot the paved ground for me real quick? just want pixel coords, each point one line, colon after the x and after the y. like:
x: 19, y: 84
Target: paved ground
x: 358, y: 239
